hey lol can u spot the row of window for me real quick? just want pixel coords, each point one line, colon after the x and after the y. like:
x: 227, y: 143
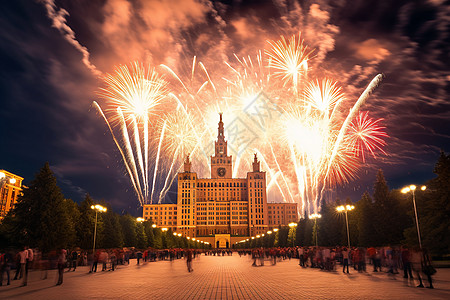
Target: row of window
x: 222, y: 184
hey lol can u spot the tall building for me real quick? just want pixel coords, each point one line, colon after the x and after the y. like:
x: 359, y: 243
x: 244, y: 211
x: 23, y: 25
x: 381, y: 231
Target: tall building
x: 221, y: 210
x: 10, y: 188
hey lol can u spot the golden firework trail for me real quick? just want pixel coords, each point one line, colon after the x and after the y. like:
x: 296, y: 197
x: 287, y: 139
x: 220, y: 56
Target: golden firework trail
x: 309, y: 136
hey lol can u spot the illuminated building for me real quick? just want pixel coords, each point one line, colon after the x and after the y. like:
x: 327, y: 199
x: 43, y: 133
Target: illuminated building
x: 221, y: 210
x: 10, y: 188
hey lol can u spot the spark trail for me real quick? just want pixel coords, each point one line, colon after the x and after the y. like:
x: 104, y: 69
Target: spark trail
x: 310, y: 136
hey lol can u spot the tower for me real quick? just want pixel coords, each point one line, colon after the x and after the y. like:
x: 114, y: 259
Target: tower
x: 257, y: 200
x: 187, y: 165
x: 221, y: 163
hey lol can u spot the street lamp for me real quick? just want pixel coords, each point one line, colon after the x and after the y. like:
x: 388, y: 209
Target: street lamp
x: 315, y: 217
x: 345, y: 209
x: 412, y: 188
x: 153, y: 225
x: 140, y: 220
x: 97, y: 208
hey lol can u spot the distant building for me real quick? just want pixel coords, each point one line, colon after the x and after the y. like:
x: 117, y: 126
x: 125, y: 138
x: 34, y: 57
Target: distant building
x: 221, y: 210
x: 10, y: 188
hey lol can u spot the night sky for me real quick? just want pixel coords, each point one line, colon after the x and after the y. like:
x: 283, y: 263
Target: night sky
x: 51, y: 53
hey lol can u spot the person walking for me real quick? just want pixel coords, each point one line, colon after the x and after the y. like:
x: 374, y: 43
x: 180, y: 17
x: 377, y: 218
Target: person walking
x: 189, y: 260
x: 18, y: 268
x: 427, y: 268
x: 416, y: 262
x: 61, y: 264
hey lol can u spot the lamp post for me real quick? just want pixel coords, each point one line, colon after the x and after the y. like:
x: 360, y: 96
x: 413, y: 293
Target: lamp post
x: 293, y: 225
x: 345, y: 209
x: 412, y: 188
x: 315, y: 217
x: 97, y: 208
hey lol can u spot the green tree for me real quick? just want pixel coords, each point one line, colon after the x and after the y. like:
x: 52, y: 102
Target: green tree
x: 364, y: 219
x: 283, y: 234
x: 86, y: 223
x: 158, y: 244
x: 291, y: 236
x: 73, y: 217
x: 149, y: 233
x: 128, y: 224
x: 331, y: 225
x: 433, y: 208
x: 387, y: 224
x: 301, y: 231
x: 141, y: 237
x: 42, y: 213
x: 111, y: 236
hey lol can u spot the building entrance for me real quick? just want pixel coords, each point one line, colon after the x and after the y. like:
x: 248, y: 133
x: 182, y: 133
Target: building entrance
x: 222, y: 240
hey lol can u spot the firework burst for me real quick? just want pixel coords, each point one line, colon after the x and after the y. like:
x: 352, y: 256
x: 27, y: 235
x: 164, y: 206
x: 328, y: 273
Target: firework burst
x: 305, y: 141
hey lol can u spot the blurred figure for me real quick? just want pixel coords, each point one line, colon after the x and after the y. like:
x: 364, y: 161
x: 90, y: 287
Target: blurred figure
x: 61, y: 264
x: 18, y: 268
x: 345, y: 259
x: 138, y: 256
x: 405, y: 256
x: 427, y: 268
x: 416, y: 263
x: 30, y: 258
x: 189, y: 260
x: 5, y: 266
x: 73, y: 260
x: 23, y: 265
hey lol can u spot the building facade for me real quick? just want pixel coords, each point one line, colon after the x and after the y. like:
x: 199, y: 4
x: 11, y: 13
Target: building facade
x: 221, y: 210
x: 10, y: 189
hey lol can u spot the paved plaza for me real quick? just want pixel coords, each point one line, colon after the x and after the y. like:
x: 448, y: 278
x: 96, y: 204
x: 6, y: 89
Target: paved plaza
x: 229, y: 277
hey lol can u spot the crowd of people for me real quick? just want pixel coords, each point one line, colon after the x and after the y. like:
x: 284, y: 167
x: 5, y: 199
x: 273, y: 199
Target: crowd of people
x: 14, y: 265
x: 387, y: 259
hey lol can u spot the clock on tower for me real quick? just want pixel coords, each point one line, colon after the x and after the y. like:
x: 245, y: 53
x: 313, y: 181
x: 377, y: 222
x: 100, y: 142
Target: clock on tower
x: 221, y: 172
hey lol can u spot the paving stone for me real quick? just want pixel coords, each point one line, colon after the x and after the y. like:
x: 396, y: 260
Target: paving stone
x: 229, y: 277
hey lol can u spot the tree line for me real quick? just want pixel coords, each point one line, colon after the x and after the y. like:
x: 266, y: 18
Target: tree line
x: 43, y: 218
x: 385, y: 218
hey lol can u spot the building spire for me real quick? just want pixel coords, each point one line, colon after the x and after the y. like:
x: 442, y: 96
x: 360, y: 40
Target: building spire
x: 220, y: 135
x: 187, y: 164
x: 256, y: 166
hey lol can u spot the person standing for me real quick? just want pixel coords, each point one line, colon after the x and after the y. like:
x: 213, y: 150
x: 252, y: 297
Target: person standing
x: 30, y: 258
x: 301, y: 257
x: 405, y: 255
x: 345, y: 259
x: 5, y: 266
x: 73, y: 260
x: 61, y: 264
x: 23, y: 264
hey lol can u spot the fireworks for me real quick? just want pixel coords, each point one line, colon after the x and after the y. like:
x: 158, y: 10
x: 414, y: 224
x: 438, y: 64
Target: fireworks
x: 132, y: 94
x: 306, y: 143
